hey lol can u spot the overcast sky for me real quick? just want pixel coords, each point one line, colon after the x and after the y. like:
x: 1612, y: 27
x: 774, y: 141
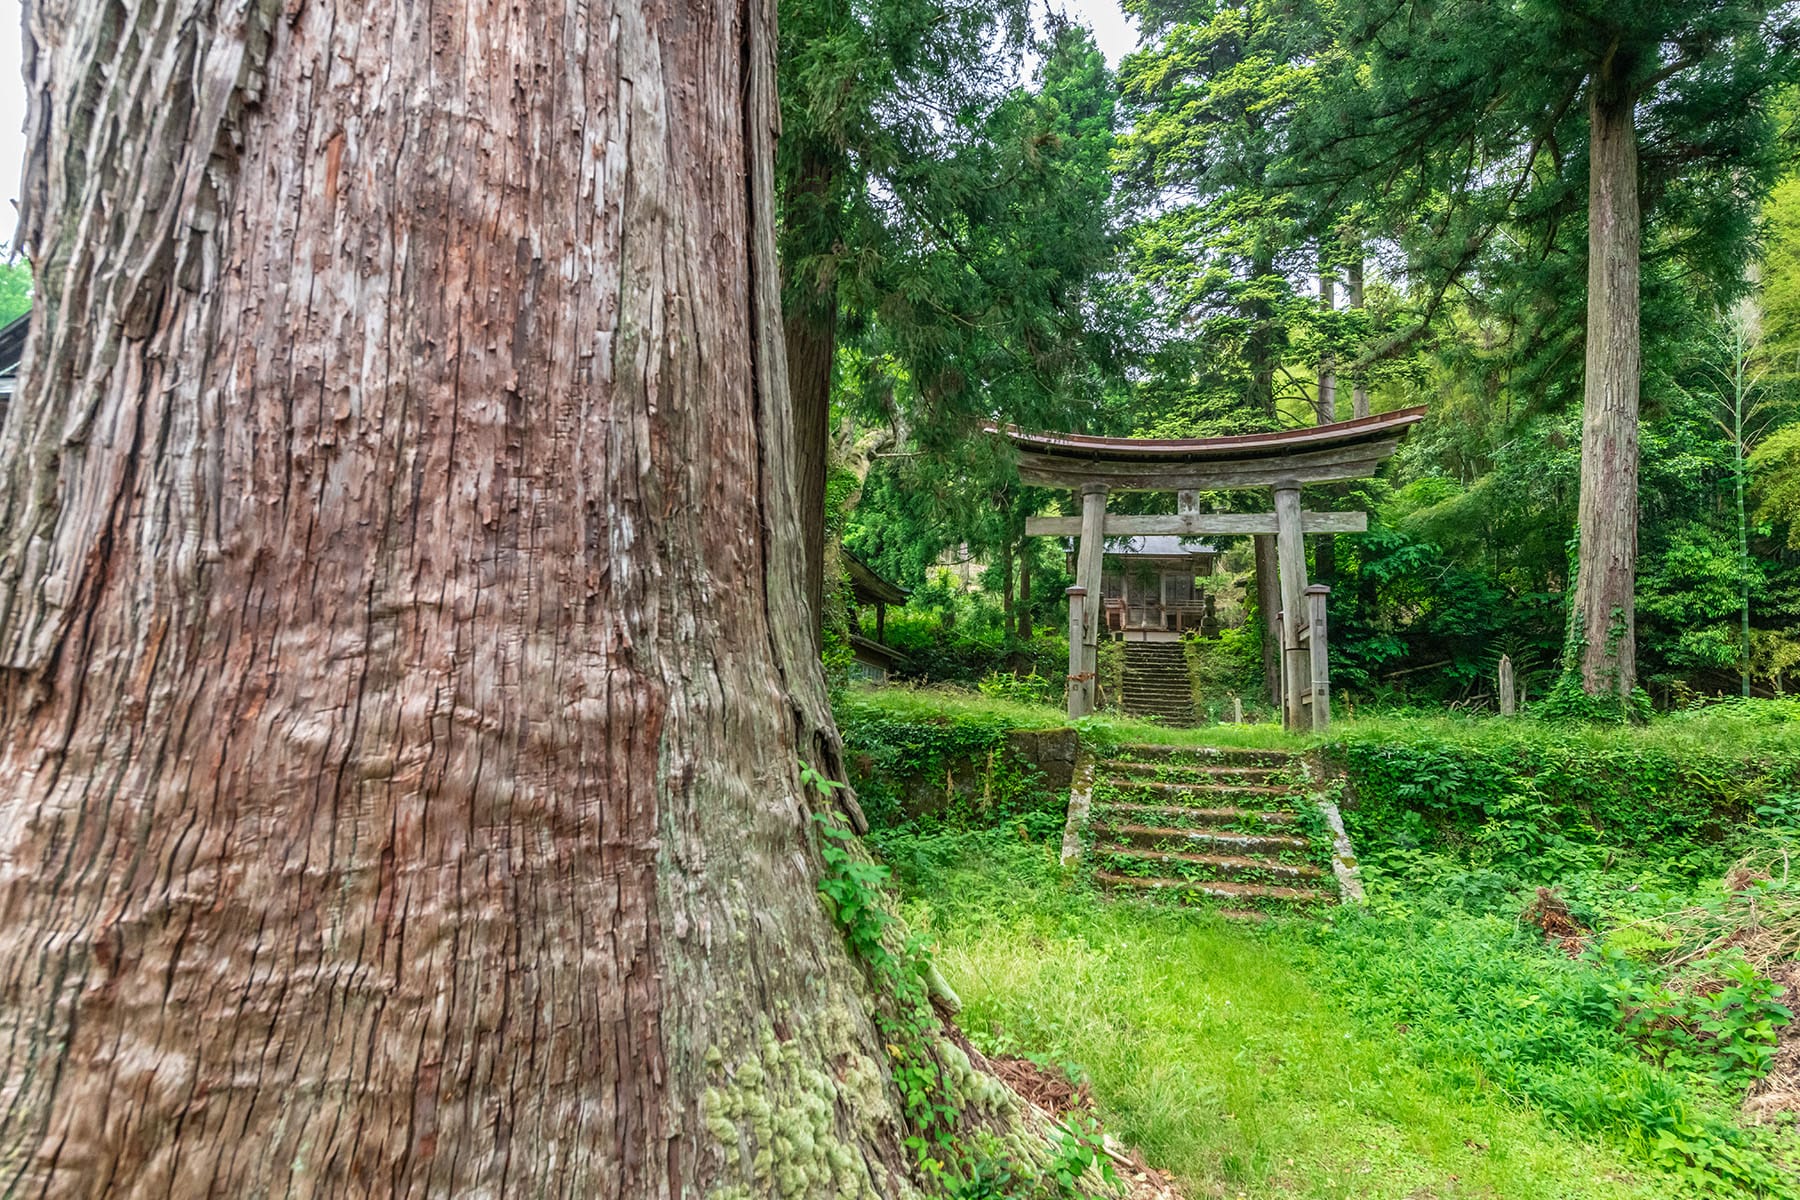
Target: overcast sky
x: 1112, y: 29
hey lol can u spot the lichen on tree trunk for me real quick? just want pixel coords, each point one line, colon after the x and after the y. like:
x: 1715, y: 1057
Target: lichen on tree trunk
x: 1604, y: 621
x: 404, y: 679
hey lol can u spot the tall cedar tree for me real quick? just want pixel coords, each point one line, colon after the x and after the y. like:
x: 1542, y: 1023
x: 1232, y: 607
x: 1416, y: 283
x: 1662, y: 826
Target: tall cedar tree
x: 865, y: 90
x: 1220, y: 251
x: 1635, y: 120
x: 403, y: 670
x: 943, y: 218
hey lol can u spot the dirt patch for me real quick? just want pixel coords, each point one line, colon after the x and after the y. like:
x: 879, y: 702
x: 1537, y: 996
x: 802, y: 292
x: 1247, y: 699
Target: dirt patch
x: 1779, y: 1091
x: 1046, y: 1087
x: 1548, y: 913
x: 1050, y: 1090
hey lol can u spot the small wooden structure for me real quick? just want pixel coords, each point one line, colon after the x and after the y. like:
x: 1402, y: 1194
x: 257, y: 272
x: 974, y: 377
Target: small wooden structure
x: 875, y: 659
x: 1281, y: 461
x: 1148, y: 590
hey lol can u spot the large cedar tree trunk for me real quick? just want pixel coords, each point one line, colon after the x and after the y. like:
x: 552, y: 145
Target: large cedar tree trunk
x: 401, y: 678
x: 1604, y: 618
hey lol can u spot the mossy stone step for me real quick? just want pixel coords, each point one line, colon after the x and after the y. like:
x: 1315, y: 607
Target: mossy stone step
x: 1146, y: 836
x: 1165, y: 790
x: 1220, y: 889
x: 1201, y: 755
x: 1201, y: 817
x: 1219, y: 866
x: 1206, y: 772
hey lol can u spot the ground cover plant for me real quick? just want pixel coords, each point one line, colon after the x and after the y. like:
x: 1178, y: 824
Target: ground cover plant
x: 1570, y: 979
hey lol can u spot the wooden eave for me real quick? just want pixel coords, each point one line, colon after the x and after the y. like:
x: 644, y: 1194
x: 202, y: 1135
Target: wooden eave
x: 1314, y: 454
x: 870, y: 587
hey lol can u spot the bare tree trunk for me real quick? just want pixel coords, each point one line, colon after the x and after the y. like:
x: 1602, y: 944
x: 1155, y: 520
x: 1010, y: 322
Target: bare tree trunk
x: 1325, y: 402
x: 1263, y: 350
x: 1605, y: 583
x: 1007, y: 609
x: 401, y: 679
x: 1359, y: 392
x: 1022, y: 627
x: 1268, y: 603
x: 811, y: 331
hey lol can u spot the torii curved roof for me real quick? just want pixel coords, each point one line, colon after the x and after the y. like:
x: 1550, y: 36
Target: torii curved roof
x: 1313, y: 454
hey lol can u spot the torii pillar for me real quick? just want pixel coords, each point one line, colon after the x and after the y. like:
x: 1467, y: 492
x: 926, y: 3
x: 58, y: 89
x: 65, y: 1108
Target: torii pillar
x: 1088, y: 561
x: 1290, y: 552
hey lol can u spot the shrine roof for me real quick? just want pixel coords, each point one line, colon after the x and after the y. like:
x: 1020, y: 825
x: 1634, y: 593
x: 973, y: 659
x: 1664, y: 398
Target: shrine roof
x: 1312, y: 454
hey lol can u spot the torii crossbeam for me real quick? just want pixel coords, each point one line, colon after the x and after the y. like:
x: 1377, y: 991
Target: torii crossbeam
x: 1280, y: 461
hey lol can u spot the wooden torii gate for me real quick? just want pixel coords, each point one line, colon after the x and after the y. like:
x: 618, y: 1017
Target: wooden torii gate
x: 1281, y: 461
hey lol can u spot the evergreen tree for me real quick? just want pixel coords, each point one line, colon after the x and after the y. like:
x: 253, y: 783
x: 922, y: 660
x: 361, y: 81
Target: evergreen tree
x: 1219, y: 254
x: 946, y: 220
x: 1644, y: 125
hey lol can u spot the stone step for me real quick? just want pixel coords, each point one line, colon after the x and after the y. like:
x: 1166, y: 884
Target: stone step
x: 1246, y: 774
x: 1147, y: 836
x: 1221, y: 865
x: 1204, y: 755
x: 1174, y: 791
x: 1200, y: 817
x: 1217, y: 888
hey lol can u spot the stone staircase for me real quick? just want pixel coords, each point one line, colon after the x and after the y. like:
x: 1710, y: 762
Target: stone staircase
x: 1157, y: 683
x: 1237, y: 827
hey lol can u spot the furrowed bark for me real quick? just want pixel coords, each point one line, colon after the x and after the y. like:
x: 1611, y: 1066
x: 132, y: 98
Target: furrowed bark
x: 1604, y: 617
x: 402, y: 679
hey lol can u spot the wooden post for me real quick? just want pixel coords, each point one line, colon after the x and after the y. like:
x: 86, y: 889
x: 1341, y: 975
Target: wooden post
x: 1281, y: 677
x: 1508, y: 705
x: 1079, y: 696
x: 881, y: 621
x: 1290, y: 550
x: 1321, y: 658
x: 1087, y: 577
x: 1187, y: 502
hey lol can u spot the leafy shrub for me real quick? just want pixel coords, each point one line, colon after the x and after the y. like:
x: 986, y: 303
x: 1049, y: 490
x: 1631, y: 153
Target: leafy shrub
x: 1532, y: 793
x: 1028, y: 689
x: 957, y: 768
x: 1487, y: 1004
x: 1727, y: 1032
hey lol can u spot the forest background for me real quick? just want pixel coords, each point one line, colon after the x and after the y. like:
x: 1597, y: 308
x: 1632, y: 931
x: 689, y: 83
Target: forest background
x: 1268, y: 216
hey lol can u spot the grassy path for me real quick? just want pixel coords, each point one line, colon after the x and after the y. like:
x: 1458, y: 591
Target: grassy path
x: 1209, y: 1049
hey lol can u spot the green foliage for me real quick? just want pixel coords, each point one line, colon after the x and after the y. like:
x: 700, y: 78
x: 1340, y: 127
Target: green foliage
x: 1641, y: 1030
x: 1210, y: 1046
x: 953, y: 634
x: 1728, y: 1033
x: 1488, y: 1004
x: 1780, y: 300
x: 1776, y: 464
x: 15, y: 290
x: 954, y: 1156
x: 952, y: 769
x: 1517, y: 793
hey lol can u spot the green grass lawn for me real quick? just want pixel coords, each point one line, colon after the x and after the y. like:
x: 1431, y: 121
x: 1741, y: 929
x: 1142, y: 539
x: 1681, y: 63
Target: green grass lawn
x: 1208, y: 1047
x: 1432, y: 1044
